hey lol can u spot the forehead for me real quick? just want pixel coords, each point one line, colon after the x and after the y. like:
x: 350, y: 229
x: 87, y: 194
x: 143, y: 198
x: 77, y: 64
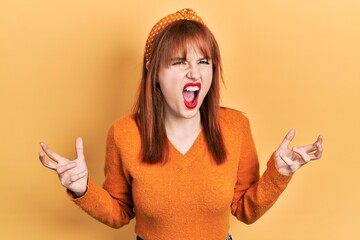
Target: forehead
x: 194, y: 48
x: 190, y: 52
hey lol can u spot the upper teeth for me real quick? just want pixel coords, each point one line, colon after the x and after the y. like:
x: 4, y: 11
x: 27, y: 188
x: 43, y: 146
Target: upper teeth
x: 192, y: 89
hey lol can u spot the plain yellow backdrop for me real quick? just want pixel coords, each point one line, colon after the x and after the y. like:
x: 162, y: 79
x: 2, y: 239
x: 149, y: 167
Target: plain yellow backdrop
x: 70, y: 68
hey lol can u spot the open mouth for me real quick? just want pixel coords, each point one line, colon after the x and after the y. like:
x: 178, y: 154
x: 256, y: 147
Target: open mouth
x: 190, y: 94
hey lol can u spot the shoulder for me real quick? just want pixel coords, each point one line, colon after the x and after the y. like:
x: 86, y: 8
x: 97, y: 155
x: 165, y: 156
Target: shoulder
x: 125, y: 122
x: 235, y: 129
x: 233, y: 123
x: 124, y: 128
x: 232, y: 117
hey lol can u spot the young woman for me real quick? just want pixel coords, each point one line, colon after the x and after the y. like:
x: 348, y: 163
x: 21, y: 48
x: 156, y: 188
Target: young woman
x: 180, y: 163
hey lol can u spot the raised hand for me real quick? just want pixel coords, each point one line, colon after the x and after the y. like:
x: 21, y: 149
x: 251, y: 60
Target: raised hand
x: 288, y: 161
x: 72, y: 174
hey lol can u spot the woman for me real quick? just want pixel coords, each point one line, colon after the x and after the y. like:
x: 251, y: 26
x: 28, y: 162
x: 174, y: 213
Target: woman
x: 180, y: 163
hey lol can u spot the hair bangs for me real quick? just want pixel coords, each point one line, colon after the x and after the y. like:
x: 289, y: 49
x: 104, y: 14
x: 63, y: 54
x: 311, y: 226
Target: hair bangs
x: 182, y: 35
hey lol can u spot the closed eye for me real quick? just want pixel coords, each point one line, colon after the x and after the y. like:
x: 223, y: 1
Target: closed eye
x: 204, y: 61
x: 178, y: 62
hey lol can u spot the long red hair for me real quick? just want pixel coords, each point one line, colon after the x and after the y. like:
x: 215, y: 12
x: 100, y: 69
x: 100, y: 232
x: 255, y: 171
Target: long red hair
x: 149, y: 107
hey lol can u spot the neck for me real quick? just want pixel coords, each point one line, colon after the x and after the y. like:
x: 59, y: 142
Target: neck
x: 183, y: 126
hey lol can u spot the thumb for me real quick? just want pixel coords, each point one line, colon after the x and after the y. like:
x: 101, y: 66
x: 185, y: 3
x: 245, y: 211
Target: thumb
x: 288, y: 138
x: 79, y: 148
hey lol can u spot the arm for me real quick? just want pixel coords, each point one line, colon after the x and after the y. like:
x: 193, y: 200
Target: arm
x: 112, y: 204
x: 254, y: 195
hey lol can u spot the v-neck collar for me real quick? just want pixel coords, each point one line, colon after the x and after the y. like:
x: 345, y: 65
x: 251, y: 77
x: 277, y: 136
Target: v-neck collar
x: 194, y: 149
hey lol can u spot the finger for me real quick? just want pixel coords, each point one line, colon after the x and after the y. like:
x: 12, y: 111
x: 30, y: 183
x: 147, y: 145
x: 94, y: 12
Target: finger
x: 287, y: 160
x: 303, y: 154
x: 308, y: 148
x: 79, y: 148
x: 319, y: 150
x: 66, y: 167
x: 46, y: 163
x: 313, y: 147
x: 288, y: 138
x: 68, y: 180
x: 54, y: 156
x: 293, y: 166
x: 78, y: 176
x: 316, y: 149
x: 319, y: 141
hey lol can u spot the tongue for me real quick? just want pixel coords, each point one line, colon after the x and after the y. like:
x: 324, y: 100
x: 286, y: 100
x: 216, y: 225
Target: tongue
x: 189, y: 96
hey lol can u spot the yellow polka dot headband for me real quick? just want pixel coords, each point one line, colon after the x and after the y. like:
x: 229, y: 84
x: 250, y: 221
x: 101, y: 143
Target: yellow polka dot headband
x: 184, y: 14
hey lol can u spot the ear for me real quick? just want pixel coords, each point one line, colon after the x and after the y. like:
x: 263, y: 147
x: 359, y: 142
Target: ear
x: 147, y: 65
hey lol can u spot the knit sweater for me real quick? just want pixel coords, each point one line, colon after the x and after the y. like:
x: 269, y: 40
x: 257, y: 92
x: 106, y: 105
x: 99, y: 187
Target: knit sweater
x: 188, y: 197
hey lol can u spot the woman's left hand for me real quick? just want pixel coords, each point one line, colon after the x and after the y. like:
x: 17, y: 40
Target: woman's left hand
x: 288, y: 161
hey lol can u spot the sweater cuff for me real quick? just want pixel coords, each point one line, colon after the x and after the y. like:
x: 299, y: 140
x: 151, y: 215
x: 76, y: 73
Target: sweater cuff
x: 85, y: 196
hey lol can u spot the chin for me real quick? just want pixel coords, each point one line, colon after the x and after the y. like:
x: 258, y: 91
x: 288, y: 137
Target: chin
x: 191, y: 113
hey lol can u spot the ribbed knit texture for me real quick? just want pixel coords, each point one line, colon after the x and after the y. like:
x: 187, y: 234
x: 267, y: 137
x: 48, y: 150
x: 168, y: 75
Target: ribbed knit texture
x: 189, y: 197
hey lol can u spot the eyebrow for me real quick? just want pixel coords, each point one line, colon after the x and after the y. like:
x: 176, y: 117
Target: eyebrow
x: 184, y: 59
x: 205, y: 58
x: 177, y: 58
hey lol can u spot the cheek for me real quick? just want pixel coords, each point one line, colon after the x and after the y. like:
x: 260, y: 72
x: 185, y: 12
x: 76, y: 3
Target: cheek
x: 208, y: 78
x: 167, y: 92
x: 163, y: 81
x: 170, y: 81
x: 167, y: 88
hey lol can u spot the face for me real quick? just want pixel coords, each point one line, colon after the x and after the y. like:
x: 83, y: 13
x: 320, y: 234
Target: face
x: 185, y: 83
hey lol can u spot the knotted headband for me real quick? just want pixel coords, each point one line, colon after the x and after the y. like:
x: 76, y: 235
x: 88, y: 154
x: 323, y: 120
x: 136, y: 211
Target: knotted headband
x: 184, y: 14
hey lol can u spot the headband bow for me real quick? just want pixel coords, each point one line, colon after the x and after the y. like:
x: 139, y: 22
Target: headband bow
x: 184, y: 14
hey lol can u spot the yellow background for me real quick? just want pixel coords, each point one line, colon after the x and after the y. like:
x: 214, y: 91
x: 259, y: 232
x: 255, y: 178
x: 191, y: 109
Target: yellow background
x: 70, y: 68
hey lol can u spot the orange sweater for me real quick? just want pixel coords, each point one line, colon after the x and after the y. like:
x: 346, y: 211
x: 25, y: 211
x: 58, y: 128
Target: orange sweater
x: 189, y: 197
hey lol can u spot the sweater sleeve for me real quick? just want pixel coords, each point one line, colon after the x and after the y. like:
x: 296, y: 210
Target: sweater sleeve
x: 254, y: 195
x: 112, y: 204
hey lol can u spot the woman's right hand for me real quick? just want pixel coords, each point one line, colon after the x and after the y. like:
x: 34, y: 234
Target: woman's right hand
x: 73, y: 174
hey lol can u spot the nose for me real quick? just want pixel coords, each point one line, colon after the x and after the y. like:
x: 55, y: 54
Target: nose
x: 193, y: 73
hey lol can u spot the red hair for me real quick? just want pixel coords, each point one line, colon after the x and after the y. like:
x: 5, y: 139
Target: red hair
x: 149, y: 107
